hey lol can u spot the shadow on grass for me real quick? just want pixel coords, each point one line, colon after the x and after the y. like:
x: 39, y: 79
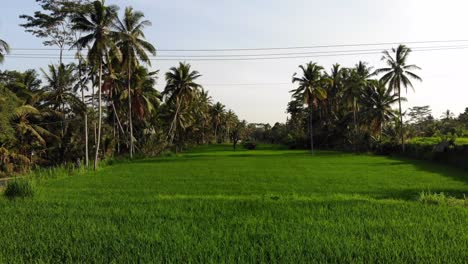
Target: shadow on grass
x: 434, y: 167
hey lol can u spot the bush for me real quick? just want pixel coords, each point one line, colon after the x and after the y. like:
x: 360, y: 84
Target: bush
x: 441, y: 199
x: 19, y: 189
x: 250, y: 145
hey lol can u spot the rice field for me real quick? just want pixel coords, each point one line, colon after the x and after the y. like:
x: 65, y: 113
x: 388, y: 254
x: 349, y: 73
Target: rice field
x: 214, y: 205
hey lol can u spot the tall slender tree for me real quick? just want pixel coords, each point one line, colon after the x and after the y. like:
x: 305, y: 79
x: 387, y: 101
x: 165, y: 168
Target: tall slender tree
x: 217, y: 112
x: 397, y: 75
x: 134, y: 48
x: 181, y: 87
x: 310, y: 91
x: 97, y: 23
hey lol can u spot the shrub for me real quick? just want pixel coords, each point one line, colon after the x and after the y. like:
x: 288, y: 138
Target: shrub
x: 250, y: 145
x: 441, y: 199
x: 19, y: 188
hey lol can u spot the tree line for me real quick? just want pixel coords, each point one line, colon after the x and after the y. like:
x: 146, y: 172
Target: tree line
x: 105, y: 103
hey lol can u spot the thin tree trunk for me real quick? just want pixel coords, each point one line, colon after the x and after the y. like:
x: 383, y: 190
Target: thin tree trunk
x: 355, y: 124
x: 85, y: 124
x: 85, y: 114
x: 172, y: 129
x: 61, y: 55
x: 203, y: 133
x: 118, y: 119
x: 401, y: 121
x: 311, y: 130
x: 216, y: 133
x: 130, y: 110
x: 96, y: 157
x: 93, y: 103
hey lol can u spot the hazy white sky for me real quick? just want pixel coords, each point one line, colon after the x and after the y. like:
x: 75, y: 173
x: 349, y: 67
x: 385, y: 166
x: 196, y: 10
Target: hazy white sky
x: 212, y: 24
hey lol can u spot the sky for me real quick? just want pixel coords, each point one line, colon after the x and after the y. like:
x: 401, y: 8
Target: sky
x: 258, y: 90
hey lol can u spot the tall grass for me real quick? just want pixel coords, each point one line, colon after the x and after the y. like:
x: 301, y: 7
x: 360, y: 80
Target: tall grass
x: 19, y: 188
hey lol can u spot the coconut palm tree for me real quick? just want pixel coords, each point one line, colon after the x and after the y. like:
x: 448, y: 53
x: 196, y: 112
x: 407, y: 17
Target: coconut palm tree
x: 397, y: 75
x: 4, y: 49
x: 217, y: 111
x: 376, y: 106
x: 59, y: 89
x: 309, y: 91
x: 180, y: 89
x: 230, y: 122
x: 202, y: 106
x: 97, y: 23
x: 28, y: 133
x: 144, y: 96
x: 356, y: 82
x: 59, y: 94
x: 134, y: 49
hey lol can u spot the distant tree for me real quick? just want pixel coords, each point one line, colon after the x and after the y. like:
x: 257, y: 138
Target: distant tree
x: 447, y: 115
x: 53, y: 22
x: 397, y: 75
x: 463, y: 117
x: 310, y: 91
x: 419, y: 114
x: 238, y: 132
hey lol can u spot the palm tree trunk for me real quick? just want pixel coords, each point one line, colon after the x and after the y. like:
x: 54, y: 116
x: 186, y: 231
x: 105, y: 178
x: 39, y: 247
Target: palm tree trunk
x: 311, y: 130
x: 85, y: 128
x: 85, y: 113
x: 401, y: 121
x: 172, y: 129
x: 130, y: 110
x: 93, y: 103
x: 355, y: 124
x: 98, y: 140
x: 203, y: 133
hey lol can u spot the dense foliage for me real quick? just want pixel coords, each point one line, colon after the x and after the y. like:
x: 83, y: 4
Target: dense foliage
x: 105, y: 103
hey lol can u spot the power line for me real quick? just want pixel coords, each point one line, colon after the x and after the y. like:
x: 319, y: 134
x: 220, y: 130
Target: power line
x: 257, y: 54
x: 244, y: 84
x: 253, y: 57
x: 288, y: 48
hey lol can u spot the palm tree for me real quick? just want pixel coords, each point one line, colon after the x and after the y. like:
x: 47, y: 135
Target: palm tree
x: 357, y: 81
x: 144, y: 97
x: 447, y: 115
x: 4, y: 49
x: 217, y: 112
x: 376, y: 105
x: 180, y: 89
x: 202, y: 108
x: 59, y: 88
x: 398, y: 73
x: 335, y: 86
x: 97, y: 22
x: 59, y: 94
x: 134, y: 48
x: 83, y: 79
x: 28, y: 133
x: 309, y: 91
x: 231, y: 120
